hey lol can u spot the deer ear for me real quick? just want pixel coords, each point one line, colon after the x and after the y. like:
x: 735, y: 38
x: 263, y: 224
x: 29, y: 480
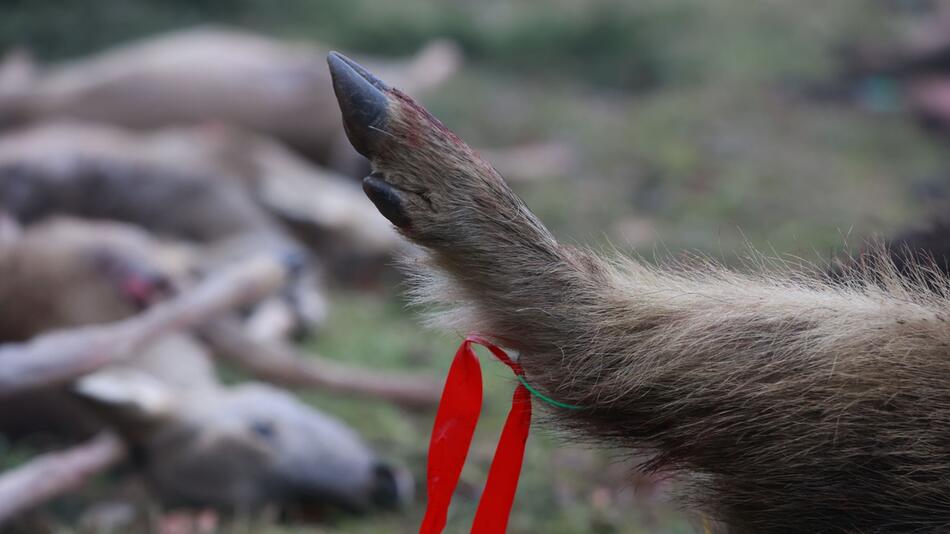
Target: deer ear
x: 128, y: 393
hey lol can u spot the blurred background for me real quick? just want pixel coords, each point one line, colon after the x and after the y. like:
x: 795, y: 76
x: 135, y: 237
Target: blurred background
x: 147, y: 147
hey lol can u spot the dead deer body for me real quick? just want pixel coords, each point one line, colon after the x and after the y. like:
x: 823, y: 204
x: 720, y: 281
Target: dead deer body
x: 184, y: 184
x: 198, y: 442
x: 207, y: 74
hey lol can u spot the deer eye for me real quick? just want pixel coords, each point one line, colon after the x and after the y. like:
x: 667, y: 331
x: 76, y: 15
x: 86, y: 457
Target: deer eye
x: 263, y: 429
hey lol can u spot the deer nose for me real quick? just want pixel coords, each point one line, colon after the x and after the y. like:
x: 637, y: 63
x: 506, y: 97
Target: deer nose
x: 363, y: 102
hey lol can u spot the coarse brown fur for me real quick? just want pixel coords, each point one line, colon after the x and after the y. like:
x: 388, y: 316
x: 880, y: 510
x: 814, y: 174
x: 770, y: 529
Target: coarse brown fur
x: 66, y: 272
x: 928, y: 245
x: 787, y: 403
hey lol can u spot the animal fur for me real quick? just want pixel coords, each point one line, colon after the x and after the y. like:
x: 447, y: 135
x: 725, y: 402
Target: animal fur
x: 928, y: 246
x: 100, y: 173
x: 211, y: 184
x: 65, y: 273
x: 785, y: 402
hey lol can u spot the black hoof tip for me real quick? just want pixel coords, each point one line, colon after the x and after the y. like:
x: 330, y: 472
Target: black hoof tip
x: 388, y: 200
x: 363, y: 102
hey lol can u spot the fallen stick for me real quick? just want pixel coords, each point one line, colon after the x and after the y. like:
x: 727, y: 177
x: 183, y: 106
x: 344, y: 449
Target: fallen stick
x: 52, y: 474
x: 60, y: 357
x: 285, y: 366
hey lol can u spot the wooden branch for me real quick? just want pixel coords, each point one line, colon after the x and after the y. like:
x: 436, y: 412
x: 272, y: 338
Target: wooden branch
x: 285, y: 366
x: 50, y: 475
x: 60, y: 357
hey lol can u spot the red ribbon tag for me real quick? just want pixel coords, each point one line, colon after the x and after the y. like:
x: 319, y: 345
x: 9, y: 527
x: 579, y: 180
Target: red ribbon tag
x: 452, y: 432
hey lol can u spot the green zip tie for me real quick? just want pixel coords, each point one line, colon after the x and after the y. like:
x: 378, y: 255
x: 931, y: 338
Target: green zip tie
x: 545, y: 398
